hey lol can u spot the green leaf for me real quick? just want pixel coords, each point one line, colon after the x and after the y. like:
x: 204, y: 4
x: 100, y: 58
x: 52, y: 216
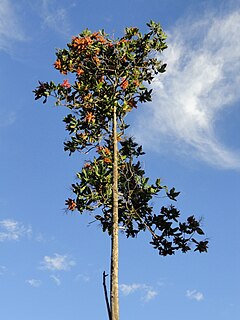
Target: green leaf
x: 200, y: 231
x: 158, y: 183
x: 172, y: 194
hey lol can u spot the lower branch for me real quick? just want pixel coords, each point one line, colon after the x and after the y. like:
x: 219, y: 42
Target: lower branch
x: 106, y: 295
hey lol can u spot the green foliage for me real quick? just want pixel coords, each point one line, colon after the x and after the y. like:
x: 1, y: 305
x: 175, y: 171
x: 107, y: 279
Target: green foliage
x: 115, y: 72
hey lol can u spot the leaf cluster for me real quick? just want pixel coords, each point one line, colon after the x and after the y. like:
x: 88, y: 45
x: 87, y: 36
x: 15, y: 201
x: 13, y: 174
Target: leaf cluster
x: 94, y: 190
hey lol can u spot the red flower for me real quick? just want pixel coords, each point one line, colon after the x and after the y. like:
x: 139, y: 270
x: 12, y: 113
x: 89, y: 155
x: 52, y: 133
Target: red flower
x: 80, y: 71
x: 99, y: 148
x: 90, y: 117
x: 65, y: 84
x: 96, y: 60
x: 71, y: 204
x: 87, y: 165
x: 136, y: 82
x: 124, y: 83
x: 107, y: 151
x: 57, y: 64
x: 107, y: 160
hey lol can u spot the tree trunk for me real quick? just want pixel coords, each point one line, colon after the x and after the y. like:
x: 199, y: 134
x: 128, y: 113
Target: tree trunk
x: 114, y: 252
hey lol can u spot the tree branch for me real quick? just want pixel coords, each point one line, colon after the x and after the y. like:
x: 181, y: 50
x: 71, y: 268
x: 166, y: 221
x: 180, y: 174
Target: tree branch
x: 106, y: 295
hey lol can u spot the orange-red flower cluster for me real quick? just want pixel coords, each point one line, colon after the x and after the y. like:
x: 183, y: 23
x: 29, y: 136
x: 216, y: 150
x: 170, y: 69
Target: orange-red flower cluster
x: 97, y: 36
x: 107, y: 160
x: 122, y: 41
x: 66, y: 84
x: 83, y: 136
x: 105, y: 154
x: 87, y: 97
x: 87, y: 165
x: 96, y: 60
x: 99, y: 148
x: 90, y: 117
x: 80, y: 71
x: 58, y: 64
x: 106, y: 151
x: 71, y: 204
x: 81, y: 43
x: 124, y: 83
x: 136, y: 82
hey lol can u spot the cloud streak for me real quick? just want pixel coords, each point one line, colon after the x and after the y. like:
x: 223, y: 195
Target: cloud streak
x: 57, y: 263
x: 202, y: 79
x: 34, y: 283
x: 82, y: 277
x: 194, y: 295
x: 7, y: 118
x: 54, y: 17
x: 56, y: 280
x: 148, y: 293
x: 10, y: 27
x: 11, y: 230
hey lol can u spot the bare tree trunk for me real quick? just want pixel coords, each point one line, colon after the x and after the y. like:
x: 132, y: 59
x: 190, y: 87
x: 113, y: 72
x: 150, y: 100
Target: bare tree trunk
x: 114, y: 300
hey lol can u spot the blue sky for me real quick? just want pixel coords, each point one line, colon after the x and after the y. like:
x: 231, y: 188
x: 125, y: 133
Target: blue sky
x: 51, y: 263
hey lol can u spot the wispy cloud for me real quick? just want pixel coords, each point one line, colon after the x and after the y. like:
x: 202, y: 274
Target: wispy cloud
x: 34, y: 283
x: 194, y: 295
x: 148, y: 293
x: 82, y: 277
x: 13, y: 230
x: 7, y: 118
x: 10, y: 26
x: 39, y: 237
x: 57, y: 262
x: 56, y: 280
x: 2, y: 270
x: 54, y: 17
x: 202, y: 79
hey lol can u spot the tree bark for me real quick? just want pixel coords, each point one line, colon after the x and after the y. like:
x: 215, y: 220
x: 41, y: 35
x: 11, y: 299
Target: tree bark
x: 114, y: 300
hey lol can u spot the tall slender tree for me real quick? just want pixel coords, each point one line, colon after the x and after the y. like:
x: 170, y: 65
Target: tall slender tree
x: 104, y: 80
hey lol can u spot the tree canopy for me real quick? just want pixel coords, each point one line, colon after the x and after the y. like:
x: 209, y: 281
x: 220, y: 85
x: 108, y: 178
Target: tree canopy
x: 103, y: 74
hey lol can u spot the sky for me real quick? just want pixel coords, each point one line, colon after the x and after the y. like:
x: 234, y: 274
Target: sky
x: 51, y: 262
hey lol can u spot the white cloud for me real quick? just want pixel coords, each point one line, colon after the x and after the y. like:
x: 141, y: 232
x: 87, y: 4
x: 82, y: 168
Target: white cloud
x: 56, y: 280
x: 13, y: 230
x: 34, y: 283
x: 54, y: 17
x: 127, y: 289
x: 148, y: 293
x: 57, y: 263
x: 10, y: 27
x: 202, y: 79
x: 194, y: 295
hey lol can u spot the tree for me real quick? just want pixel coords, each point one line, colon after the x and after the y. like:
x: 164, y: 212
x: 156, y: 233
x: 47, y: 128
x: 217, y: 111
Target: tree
x: 109, y: 78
